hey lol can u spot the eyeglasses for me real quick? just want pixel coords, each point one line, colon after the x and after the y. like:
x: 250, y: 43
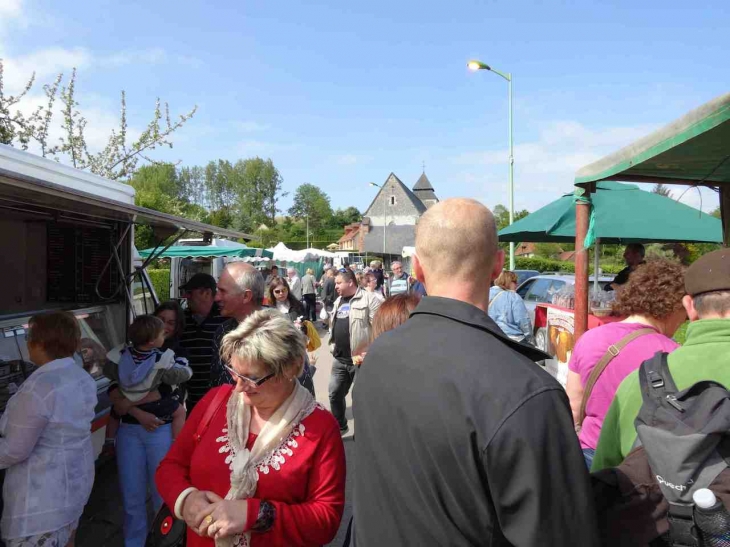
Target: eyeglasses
x: 253, y: 382
x: 279, y: 291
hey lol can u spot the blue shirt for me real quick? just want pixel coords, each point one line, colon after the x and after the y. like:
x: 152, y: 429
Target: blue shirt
x: 509, y: 312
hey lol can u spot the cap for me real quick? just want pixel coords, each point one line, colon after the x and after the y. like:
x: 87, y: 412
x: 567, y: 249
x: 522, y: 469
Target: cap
x: 200, y: 281
x: 710, y: 272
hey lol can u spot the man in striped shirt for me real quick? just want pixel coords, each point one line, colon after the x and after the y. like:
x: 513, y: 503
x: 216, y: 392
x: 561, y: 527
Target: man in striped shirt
x: 202, y: 319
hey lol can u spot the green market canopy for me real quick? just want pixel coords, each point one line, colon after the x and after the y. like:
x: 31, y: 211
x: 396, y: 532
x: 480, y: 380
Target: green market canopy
x: 695, y: 149
x: 622, y: 213
x: 209, y: 251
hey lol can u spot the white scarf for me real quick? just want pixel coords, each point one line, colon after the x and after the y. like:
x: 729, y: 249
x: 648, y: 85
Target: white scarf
x: 244, y: 476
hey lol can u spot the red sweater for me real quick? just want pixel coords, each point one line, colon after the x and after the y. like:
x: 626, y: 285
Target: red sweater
x: 305, y: 480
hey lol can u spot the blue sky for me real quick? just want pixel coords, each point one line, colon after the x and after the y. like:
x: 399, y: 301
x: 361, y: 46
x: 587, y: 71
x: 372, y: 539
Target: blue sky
x: 339, y: 95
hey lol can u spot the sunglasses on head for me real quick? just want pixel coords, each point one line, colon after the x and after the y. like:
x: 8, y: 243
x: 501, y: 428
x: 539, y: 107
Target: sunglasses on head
x: 253, y: 382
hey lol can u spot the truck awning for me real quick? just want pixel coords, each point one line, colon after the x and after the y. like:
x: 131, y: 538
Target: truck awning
x: 21, y: 191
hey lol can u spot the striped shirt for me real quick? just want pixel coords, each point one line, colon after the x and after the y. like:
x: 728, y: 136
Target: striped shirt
x: 197, y: 339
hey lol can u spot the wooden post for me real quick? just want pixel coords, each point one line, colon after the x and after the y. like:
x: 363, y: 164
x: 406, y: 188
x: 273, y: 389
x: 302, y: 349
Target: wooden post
x: 725, y: 213
x: 582, y: 218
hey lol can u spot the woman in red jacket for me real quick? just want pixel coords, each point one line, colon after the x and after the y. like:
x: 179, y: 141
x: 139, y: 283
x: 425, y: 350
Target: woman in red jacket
x: 270, y: 467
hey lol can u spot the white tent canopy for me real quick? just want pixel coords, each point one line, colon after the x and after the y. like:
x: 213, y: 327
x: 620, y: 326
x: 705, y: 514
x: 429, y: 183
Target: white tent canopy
x: 284, y: 253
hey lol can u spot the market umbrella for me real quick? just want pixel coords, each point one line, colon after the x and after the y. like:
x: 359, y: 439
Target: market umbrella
x: 209, y: 251
x: 621, y: 213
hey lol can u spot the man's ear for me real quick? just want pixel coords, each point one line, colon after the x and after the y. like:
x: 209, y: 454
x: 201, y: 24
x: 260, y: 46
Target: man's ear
x: 689, y: 306
x: 498, y: 265
x: 418, y: 269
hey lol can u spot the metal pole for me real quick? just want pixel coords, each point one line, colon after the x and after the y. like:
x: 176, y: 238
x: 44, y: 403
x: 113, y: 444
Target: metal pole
x: 307, y: 229
x: 511, y: 176
x: 385, y: 227
x: 596, y: 249
x: 582, y: 218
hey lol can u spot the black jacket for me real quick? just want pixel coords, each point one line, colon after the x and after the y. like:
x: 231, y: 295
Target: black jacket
x: 463, y: 440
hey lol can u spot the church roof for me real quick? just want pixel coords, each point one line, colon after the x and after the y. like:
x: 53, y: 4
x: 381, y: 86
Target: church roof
x: 423, y: 189
x: 410, y: 196
x: 423, y: 183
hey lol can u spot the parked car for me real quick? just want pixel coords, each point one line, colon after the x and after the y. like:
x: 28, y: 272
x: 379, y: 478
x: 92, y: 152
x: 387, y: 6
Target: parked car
x: 524, y: 275
x: 541, y: 288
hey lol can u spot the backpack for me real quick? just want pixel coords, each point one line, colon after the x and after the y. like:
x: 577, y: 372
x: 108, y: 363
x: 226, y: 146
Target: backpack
x: 683, y: 445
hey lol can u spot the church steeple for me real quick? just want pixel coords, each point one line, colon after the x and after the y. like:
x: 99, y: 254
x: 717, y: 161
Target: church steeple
x: 424, y: 190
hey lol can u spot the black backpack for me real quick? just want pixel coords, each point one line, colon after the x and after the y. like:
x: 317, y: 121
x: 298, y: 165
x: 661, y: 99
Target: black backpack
x: 683, y: 445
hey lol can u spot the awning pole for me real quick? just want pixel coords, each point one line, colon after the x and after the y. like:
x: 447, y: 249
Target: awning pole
x: 725, y: 214
x: 582, y: 218
x: 596, y: 250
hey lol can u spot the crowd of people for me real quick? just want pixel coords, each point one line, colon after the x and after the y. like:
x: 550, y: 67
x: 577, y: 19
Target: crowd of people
x: 462, y: 438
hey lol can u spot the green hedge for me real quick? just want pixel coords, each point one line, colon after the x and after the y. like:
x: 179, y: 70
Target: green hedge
x: 161, y: 283
x: 547, y: 265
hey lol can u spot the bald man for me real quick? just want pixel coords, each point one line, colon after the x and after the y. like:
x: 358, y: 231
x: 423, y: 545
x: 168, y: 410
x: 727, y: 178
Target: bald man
x: 461, y: 438
x: 240, y: 293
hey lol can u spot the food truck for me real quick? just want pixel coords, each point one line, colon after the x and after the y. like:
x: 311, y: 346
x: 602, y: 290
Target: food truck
x: 67, y: 242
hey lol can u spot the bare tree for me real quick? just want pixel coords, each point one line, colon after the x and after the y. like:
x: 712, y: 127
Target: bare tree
x: 118, y: 159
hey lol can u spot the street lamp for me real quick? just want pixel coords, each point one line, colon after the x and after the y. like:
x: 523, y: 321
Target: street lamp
x: 478, y: 65
x: 385, y: 218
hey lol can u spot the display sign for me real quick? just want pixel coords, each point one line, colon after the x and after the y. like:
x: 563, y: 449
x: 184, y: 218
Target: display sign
x: 560, y: 340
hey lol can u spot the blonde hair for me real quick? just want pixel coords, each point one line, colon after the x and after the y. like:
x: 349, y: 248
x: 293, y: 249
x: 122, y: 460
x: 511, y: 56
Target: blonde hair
x: 505, y: 278
x: 269, y: 338
x: 310, y: 271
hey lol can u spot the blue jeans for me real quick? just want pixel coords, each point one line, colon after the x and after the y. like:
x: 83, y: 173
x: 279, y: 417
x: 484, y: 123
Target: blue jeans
x: 588, y: 454
x: 343, y: 375
x: 139, y: 452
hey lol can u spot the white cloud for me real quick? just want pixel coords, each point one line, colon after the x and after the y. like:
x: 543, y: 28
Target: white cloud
x: 544, y: 168
x: 10, y: 8
x: 251, y: 126
x: 348, y: 159
x: 46, y: 64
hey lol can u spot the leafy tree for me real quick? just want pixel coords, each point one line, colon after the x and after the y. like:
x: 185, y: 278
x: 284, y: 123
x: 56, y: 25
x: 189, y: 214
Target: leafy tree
x: 662, y: 190
x: 343, y: 217
x: 501, y: 216
x: 717, y: 213
x: 312, y: 203
x: 548, y: 250
x: 259, y: 185
x: 119, y: 158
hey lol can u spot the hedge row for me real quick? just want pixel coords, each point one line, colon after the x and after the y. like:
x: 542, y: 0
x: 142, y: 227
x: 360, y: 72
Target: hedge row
x: 161, y: 283
x: 547, y: 265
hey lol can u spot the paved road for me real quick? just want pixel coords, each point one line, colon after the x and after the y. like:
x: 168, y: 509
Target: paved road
x: 101, y: 524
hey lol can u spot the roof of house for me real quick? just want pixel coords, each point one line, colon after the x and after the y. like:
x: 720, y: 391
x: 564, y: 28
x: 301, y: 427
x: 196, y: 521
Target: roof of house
x: 423, y: 188
x: 525, y: 249
x: 415, y: 201
x: 351, y: 232
x: 396, y: 237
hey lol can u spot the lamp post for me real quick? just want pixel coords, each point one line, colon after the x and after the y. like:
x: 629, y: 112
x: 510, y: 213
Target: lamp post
x: 385, y: 219
x: 478, y: 65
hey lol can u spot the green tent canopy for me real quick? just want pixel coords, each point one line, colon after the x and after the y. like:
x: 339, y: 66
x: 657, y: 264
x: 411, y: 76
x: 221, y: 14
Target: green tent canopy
x: 623, y: 213
x: 695, y: 149
x: 194, y: 251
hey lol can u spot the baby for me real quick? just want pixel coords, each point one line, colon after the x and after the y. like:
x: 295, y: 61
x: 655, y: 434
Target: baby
x: 141, y: 367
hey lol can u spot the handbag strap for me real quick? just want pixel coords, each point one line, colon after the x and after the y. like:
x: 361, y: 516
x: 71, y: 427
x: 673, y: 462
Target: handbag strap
x: 495, y: 297
x: 220, y: 397
x: 611, y: 353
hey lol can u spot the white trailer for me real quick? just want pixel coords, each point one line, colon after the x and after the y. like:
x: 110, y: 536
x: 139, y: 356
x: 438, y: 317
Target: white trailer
x: 66, y: 242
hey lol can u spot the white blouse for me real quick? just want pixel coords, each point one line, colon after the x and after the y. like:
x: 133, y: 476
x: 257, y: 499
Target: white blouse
x: 46, y: 449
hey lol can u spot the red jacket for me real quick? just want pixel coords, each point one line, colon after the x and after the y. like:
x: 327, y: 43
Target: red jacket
x: 305, y: 481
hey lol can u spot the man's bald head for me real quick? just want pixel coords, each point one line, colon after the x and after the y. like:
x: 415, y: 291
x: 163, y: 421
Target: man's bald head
x: 456, y: 239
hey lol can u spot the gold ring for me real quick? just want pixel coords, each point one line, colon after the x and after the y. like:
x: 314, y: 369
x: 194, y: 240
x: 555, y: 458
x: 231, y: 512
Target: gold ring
x: 208, y: 520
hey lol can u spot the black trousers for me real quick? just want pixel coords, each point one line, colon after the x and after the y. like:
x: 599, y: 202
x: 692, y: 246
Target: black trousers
x: 310, y: 307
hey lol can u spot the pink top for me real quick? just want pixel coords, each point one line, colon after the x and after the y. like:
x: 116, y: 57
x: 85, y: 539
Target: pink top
x: 589, y: 350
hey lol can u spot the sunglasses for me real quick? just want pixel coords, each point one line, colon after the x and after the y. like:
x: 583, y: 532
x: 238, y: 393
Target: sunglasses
x: 279, y: 291
x: 253, y: 382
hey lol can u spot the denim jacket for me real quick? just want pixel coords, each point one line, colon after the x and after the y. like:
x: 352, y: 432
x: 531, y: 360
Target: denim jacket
x: 509, y: 312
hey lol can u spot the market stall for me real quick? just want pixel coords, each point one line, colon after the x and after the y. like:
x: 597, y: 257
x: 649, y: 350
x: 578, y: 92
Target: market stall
x: 693, y: 150
x: 620, y: 214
